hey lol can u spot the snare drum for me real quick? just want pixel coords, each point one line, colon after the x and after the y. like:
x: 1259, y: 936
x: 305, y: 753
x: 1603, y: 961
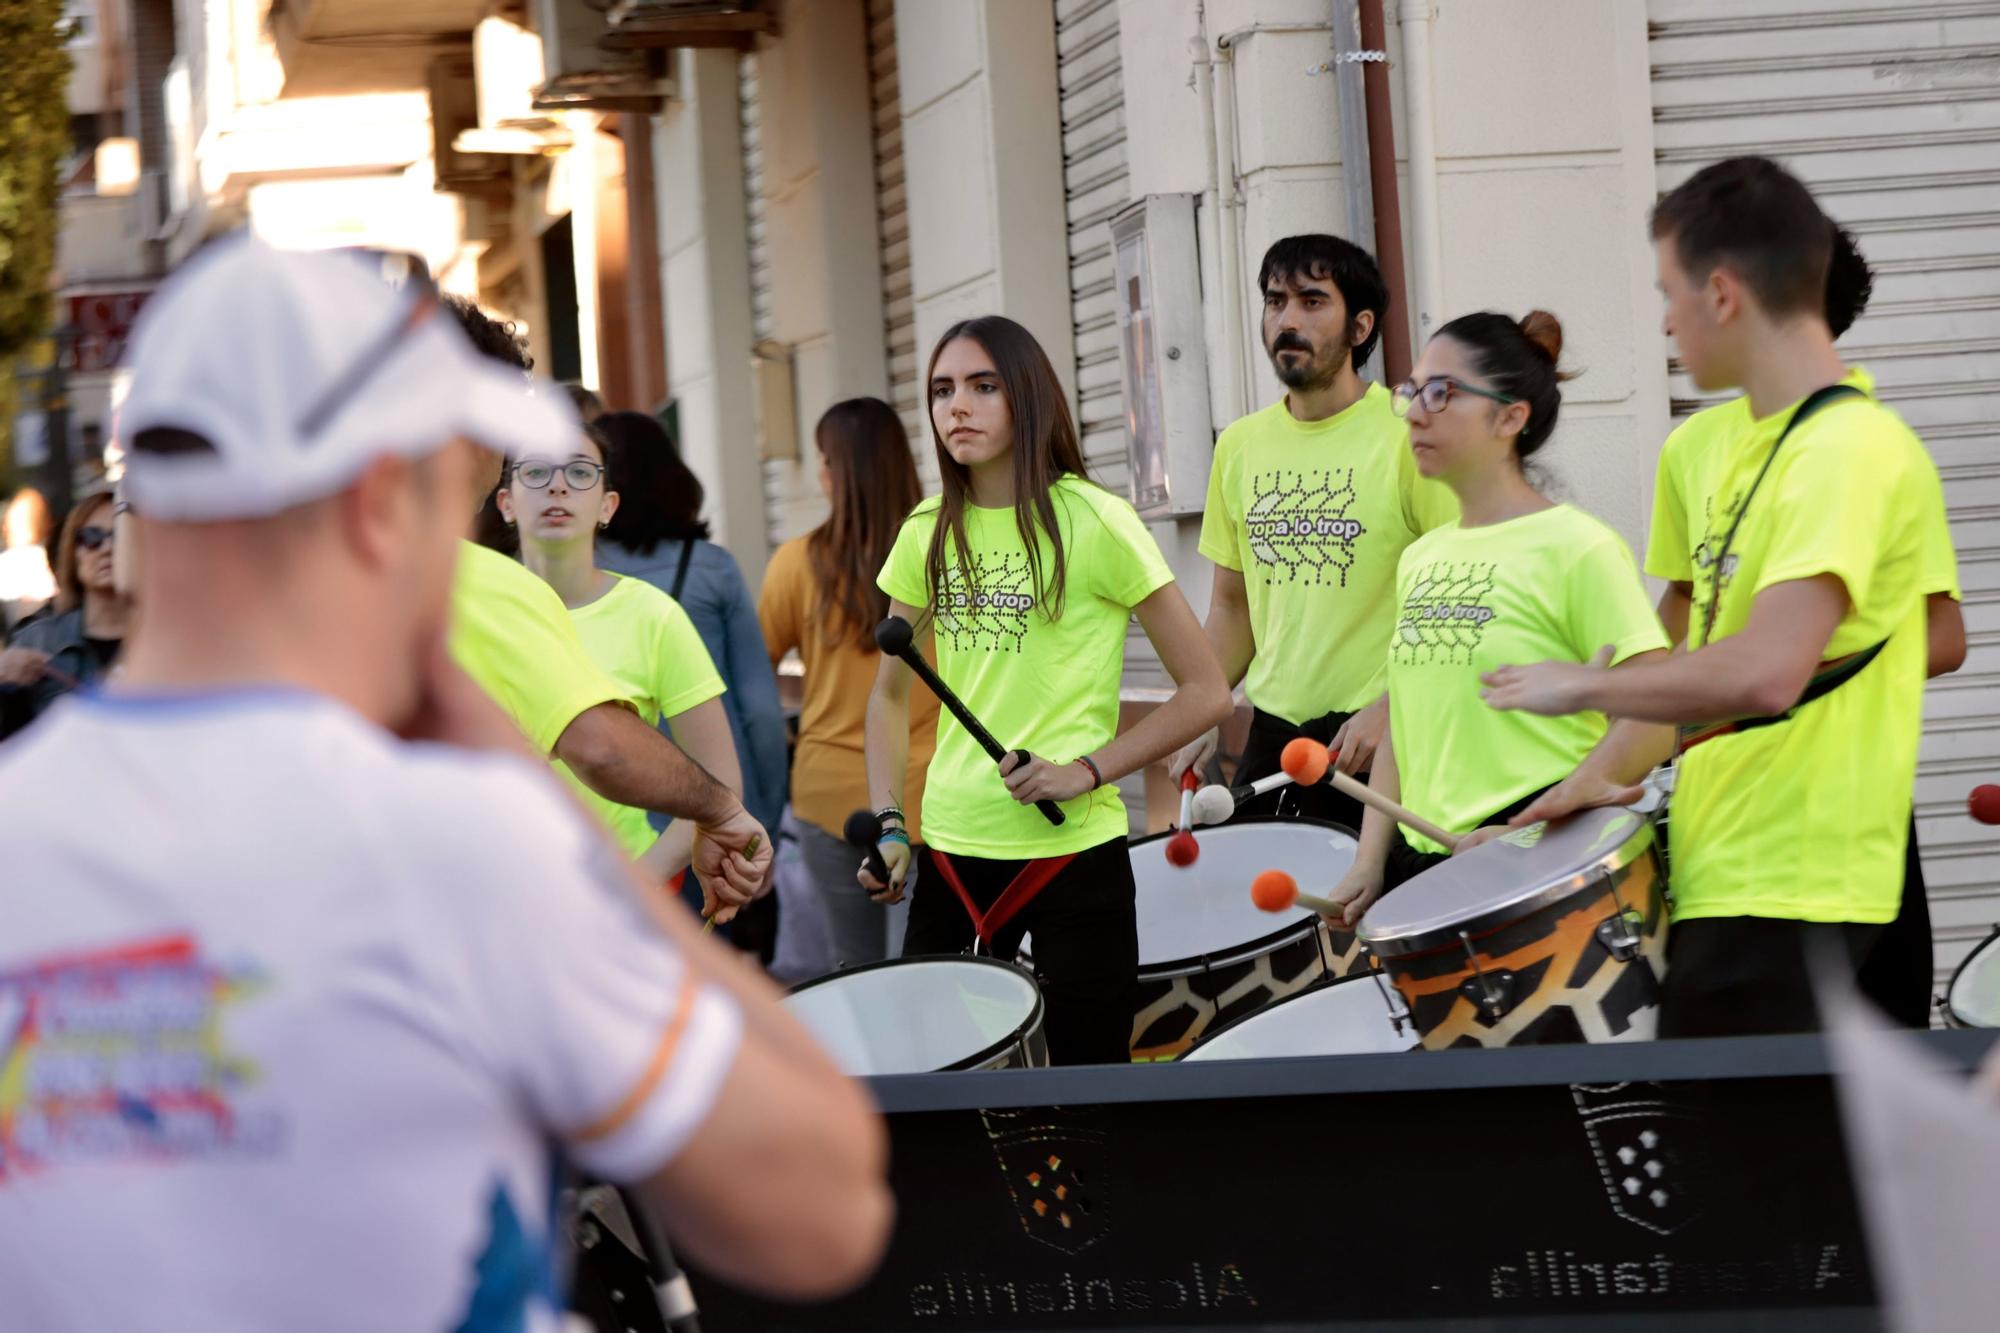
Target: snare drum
x: 1552, y: 933
x: 1207, y: 954
x: 1354, y: 1015
x: 920, y: 1015
x: 1973, y: 998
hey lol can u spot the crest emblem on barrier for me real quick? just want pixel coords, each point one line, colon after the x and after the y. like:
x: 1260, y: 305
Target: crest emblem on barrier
x: 1053, y: 1167
x: 1649, y: 1153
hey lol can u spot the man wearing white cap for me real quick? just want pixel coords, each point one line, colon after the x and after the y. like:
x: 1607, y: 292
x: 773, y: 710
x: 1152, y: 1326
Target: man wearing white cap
x: 308, y: 962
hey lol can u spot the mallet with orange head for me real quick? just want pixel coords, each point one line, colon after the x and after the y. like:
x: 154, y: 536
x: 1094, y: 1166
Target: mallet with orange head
x: 1308, y: 762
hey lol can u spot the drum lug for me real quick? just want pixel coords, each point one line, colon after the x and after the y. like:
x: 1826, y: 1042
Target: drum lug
x: 1620, y: 935
x: 1492, y: 993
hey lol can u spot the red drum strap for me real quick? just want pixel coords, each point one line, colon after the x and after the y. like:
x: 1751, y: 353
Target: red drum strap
x: 1034, y: 877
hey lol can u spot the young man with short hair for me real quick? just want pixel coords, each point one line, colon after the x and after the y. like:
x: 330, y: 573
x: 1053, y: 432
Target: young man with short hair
x: 1310, y: 503
x: 309, y: 963
x: 1801, y: 692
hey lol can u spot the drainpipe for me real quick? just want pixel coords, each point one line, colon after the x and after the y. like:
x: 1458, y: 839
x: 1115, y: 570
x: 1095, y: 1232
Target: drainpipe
x: 1224, y: 68
x: 1229, y: 391
x: 1395, y: 343
x: 1417, y: 16
x: 1356, y: 175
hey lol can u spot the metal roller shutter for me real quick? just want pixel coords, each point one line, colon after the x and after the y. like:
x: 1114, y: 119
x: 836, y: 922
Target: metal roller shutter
x: 899, y: 307
x: 1096, y: 184
x: 1892, y: 114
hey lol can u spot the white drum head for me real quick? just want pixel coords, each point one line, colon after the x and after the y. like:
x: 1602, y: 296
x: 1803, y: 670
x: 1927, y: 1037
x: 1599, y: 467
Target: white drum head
x: 1205, y: 908
x: 1349, y: 1017
x: 914, y: 1016
x: 1975, y: 989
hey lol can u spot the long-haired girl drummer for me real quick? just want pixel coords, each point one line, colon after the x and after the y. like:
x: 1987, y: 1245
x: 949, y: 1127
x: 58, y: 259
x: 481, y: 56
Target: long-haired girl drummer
x: 1027, y: 573
x: 1517, y: 578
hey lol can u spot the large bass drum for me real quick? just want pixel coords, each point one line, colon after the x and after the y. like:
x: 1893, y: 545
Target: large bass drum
x: 1551, y: 933
x: 1973, y: 998
x: 1207, y: 954
x: 1352, y: 1015
x: 924, y: 1015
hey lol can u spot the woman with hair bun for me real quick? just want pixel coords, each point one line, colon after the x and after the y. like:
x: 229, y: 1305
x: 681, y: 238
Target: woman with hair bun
x: 1518, y: 578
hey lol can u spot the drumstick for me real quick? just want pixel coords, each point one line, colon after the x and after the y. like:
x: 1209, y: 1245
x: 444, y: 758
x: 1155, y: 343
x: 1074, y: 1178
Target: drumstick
x: 894, y: 637
x: 749, y: 850
x: 1310, y: 763
x: 1182, y: 849
x: 1276, y: 891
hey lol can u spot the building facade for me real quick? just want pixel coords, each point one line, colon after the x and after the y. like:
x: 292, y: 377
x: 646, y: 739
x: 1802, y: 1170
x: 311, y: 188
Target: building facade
x: 746, y: 213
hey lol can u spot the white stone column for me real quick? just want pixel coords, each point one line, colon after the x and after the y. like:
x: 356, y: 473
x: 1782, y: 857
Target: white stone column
x: 705, y: 282
x: 982, y: 145
x: 816, y: 114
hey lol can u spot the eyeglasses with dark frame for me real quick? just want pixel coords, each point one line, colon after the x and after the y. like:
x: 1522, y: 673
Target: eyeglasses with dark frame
x: 1435, y: 393
x: 579, y: 474
x: 91, y: 537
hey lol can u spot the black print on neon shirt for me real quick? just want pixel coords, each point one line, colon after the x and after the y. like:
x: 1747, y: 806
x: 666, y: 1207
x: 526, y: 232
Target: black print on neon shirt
x: 1445, y: 614
x: 989, y: 611
x: 1299, y: 526
x: 1705, y: 573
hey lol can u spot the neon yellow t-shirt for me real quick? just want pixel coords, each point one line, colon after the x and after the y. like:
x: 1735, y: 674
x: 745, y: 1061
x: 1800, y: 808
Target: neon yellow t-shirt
x: 1041, y: 685
x: 644, y: 641
x: 1314, y: 515
x: 1556, y: 585
x: 511, y: 634
x: 1807, y: 819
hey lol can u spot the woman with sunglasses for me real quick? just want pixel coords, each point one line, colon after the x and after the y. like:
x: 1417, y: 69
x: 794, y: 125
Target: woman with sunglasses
x: 1518, y: 578
x: 636, y: 634
x: 76, y: 647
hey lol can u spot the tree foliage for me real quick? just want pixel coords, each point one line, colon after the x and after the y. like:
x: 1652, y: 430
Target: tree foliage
x: 34, y: 140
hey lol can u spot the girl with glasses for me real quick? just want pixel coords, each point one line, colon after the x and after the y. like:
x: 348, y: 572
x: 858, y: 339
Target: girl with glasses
x: 1517, y: 578
x: 77, y: 646
x: 636, y: 634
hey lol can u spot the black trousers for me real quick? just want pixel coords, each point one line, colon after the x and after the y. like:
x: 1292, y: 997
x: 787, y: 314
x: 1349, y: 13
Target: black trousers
x: 1897, y: 973
x: 1262, y: 751
x: 1086, y: 929
x: 1735, y: 976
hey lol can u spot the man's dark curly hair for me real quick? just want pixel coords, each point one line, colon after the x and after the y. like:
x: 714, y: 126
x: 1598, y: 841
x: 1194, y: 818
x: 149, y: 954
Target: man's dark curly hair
x: 493, y: 337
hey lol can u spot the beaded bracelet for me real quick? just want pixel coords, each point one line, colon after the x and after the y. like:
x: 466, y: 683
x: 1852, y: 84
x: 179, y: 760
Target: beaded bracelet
x: 891, y: 812
x: 894, y: 835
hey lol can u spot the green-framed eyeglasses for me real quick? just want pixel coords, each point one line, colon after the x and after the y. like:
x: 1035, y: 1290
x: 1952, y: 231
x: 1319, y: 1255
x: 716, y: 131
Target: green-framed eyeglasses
x: 1435, y: 392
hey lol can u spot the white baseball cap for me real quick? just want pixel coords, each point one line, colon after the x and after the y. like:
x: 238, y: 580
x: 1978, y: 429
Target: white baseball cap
x: 300, y: 368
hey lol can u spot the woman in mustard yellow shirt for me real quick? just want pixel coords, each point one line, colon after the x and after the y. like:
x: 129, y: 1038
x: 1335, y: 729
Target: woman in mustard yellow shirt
x: 820, y: 599
x: 1517, y: 577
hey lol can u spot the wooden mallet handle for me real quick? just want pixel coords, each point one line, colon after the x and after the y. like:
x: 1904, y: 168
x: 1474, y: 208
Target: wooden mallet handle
x: 1367, y: 795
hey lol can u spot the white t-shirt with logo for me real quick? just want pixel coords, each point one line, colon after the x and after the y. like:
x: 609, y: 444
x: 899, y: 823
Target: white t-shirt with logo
x: 293, y: 1014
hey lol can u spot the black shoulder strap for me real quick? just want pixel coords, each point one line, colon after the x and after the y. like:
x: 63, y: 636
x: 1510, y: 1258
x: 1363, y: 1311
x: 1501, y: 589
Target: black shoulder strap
x: 681, y: 570
x: 1814, y: 401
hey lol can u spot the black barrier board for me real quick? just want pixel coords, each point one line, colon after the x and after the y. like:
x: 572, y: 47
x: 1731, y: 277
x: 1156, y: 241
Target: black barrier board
x: 1508, y: 1185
